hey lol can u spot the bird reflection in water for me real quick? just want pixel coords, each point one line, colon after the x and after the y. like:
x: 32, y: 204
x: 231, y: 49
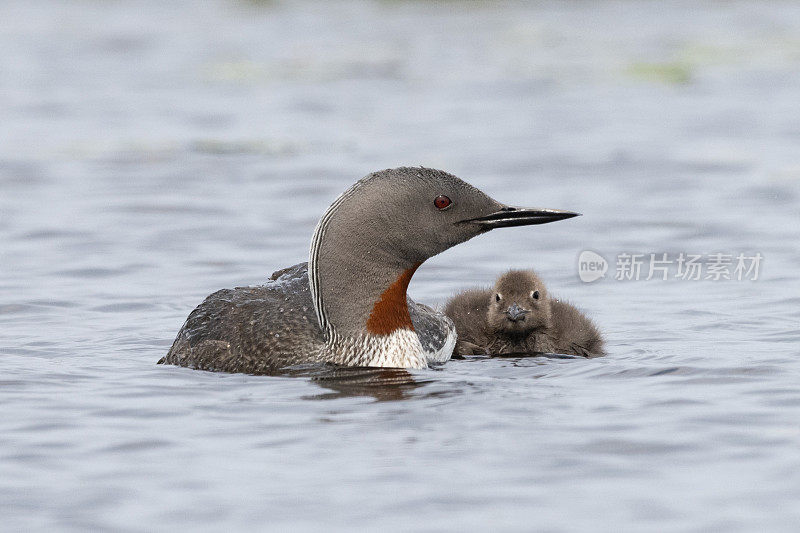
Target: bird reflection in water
x: 382, y: 384
x: 389, y: 384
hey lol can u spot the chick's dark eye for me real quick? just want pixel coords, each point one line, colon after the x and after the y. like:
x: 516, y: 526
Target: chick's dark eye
x: 496, y: 297
x: 442, y: 202
x: 535, y: 295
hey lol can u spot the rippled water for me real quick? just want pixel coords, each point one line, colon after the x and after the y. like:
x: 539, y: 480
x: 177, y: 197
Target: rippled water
x: 151, y: 153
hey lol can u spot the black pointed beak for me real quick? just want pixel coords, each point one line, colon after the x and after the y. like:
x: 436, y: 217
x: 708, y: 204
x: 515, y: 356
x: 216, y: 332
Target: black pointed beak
x: 508, y: 216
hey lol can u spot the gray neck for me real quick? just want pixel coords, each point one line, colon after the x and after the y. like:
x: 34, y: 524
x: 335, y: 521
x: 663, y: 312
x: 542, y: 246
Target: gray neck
x: 349, y: 272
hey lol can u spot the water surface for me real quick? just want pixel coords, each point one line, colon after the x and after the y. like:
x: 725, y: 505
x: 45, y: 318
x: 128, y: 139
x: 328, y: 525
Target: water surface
x: 152, y: 153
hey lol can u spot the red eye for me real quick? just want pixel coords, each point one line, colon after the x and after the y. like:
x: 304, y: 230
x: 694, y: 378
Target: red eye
x: 442, y: 202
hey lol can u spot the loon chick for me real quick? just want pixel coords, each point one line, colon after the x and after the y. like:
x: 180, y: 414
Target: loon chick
x: 348, y: 305
x: 518, y: 316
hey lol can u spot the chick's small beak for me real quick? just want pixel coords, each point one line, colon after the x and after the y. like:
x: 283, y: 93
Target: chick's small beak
x: 516, y: 313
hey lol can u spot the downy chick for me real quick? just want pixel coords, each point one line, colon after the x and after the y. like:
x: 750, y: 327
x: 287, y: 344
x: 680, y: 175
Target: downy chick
x: 519, y: 316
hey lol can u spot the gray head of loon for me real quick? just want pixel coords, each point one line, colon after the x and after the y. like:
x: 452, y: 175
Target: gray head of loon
x: 371, y: 240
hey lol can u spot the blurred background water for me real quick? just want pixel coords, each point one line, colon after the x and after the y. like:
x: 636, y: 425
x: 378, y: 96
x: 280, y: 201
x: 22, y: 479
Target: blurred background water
x: 154, y: 152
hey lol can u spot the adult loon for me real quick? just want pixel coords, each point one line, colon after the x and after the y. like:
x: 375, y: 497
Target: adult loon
x: 348, y: 305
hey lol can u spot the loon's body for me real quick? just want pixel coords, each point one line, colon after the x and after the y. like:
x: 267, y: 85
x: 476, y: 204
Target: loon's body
x: 348, y: 305
x: 273, y: 326
x: 518, y: 316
